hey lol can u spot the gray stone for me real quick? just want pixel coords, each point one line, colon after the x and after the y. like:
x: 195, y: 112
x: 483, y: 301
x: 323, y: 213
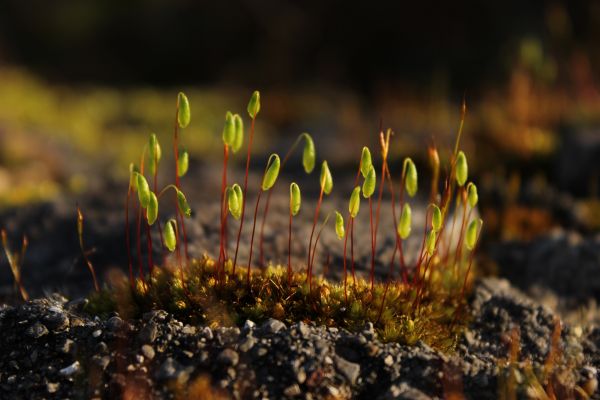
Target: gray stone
x: 272, y: 325
x: 52, y: 387
x: 172, y: 370
x: 149, y: 333
x: 148, y: 351
x: 292, y: 390
x: 247, y: 344
x: 70, y: 370
x: 228, y: 357
x: 36, y: 330
x: 56, y: 321
x: 114, y: 324
x: 303, y: 330
x: 348, y: 369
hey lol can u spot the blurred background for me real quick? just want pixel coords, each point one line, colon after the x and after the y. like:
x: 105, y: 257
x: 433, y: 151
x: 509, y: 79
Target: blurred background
x: 83, y: 83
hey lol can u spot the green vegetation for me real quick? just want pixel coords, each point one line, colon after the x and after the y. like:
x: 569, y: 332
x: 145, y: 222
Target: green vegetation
x: 424, y: 303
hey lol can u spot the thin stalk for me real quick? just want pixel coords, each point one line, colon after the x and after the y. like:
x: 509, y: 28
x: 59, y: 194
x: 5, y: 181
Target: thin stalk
x: 261, y: 256
x: 252, y: 237
x: 387, y: 285
x: 420, y: 288
x: 177, y: 185
x: 222, y: 232
x: 312, y: 232
x: 128, y: 238
x: 289, y: 270
x: 237, y: 245
x: 149, y: 245
x: 372, y: 244
x: 352, y: 251
x: 139, y: 244
x: 312, y: 260
x: 162, y: 242
x: 458, y: 251
x: 384, y: 147
x: 345, y: 269
x: 464, y: 286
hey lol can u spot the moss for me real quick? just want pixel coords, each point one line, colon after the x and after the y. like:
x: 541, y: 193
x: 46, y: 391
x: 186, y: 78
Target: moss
x: 204, y: 300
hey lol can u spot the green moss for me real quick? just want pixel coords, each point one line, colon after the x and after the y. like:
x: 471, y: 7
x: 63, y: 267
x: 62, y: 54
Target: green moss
x: 204, y: 300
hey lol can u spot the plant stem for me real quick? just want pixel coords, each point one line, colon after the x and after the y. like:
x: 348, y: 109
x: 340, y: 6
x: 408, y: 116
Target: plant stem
x: 128, y: 238
x: 464, y: 286
x: 312, y: 259
x: 308, y: 266
x: 162, y: 242
x: 222, y: 233
x: 139, y: 244
x: 252, y: 237
x: 345, y: 269
x: 387, y: 285
x: 177, y: 185
x: 352, y: 251
x: 237, y: 245
x: 289, y: 270
x: 372, y: 244
x: 149, y: 245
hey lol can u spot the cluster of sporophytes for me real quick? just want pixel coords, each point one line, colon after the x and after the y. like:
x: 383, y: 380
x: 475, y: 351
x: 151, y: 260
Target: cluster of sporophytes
x: 422, y: 301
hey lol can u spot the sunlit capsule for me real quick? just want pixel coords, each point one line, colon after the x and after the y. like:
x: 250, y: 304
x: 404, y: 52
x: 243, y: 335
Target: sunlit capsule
x: 369, y: 184
x: 169, y: 234
x: 325, y: 179
x: 430, y: 242
x: 238, y: 124
x: 271, y: 173
x: 462, y: 168
x: 233, y: 202
x: 154, y: 153
x: 404, y: 227
x: 152, y: 210
x: 365, y: 161
x: 254, y: 104
x: 410, y: 179
x: 472, y: 196
x: 436, y: 218
x: 295, y: 198
x: 183, y: 115
x: 308, y: 154
x: 229, y: 129
x: 340, y: 231
x: 133, y: 171
x: 354, y: 205
x: 183, y: 162
x: 183, y: 204
x: 143, y: 190
x: 472, y: 234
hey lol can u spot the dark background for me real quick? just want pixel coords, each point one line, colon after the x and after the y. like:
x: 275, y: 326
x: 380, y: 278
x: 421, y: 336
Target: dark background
x: 358, y: 45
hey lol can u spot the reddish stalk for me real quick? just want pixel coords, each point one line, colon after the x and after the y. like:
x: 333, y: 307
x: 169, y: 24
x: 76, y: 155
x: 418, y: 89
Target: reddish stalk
x: 464, y: 286
x: 352, y: 251
x: 176, y: 153
x: 149, y: 245
x: 268, y: 202
x: 345, y: 269
x: 139, y: 244
x: 289, y: 270
x: 312, y: 232
x: 384, y: 151
x: 312, y: 259
x: 387, y: 284
x: 372, y: 244
x: 237, y: 245
x: 458, y: 252
x: 162, y: 242
x: 222, y: 233
x: 252, y: 237
x: 25, y: 242
x: 128, y: 238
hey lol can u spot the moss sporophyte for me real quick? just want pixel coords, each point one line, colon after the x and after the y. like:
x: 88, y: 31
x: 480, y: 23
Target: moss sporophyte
x: 424, y: 301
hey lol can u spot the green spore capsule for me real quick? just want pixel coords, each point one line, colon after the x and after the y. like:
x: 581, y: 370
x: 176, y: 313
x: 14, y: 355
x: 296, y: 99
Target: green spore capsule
x: 154, y: 153
x: 411, y: 179
x: 436, y: 218
x: 325, y: 179
x: 340, y: 231
x: 183, y: 114
x: 271, y: 173
x: 472, y: 196
x: 295, y: 198
x: 229, y: 130
x: 404, y: 227
x: 430, y: 242
x: 183, y: 162
x: 462, y: 168
x: 365, y: 161
x: 152, y: 210
x: 169, y: 234
x: 234, y: 202
x: 472, y: 234
x: 239, y: 193
x: 133, y: 171
x: 183, y: 204
x: 369, y: 184
x: 308, y: 154
x: 254, y: 104
x: 143, y: 190
x: 238, y: 142
x: 354, y: 205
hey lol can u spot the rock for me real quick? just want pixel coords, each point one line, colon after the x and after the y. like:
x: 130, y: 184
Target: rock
x: 52, y: 387
x: 71, y: 369
x: 66, y: 347
x: 349, y: 370
x: 388, y: 360
x: 247, y: 344
x: 249, y: 326
x: 56, y: 321
x: 36, y: 330
x: 148, y: 351
x: 228, y: 357
x: 292, y: 390
x: 303, y: 329
x: 172, y: 370
x: 149, y: 333
x: 273, y: 326
x: 114, y: 324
